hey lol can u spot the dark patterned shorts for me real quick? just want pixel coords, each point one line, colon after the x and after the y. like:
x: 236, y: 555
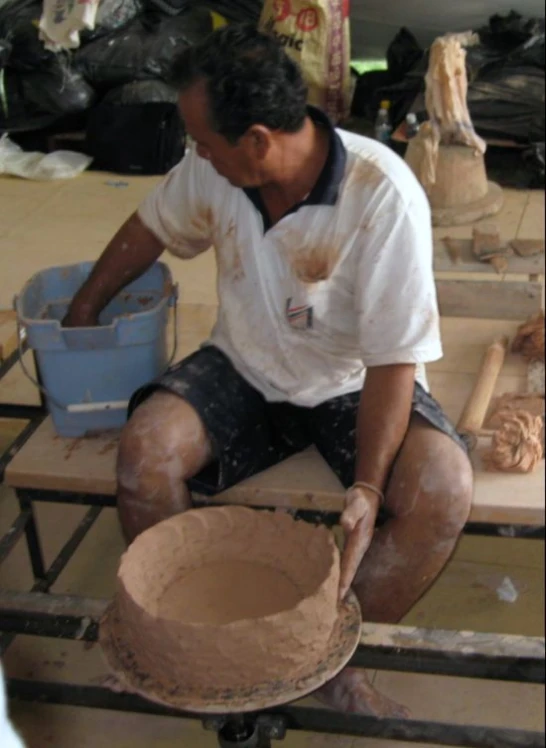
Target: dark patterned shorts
x: 249, y: 435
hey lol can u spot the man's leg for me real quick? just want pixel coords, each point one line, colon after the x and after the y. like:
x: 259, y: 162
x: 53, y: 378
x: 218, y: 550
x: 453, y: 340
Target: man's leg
x: 428, y: 497
x: 163, y: 445
x: 201, y: 422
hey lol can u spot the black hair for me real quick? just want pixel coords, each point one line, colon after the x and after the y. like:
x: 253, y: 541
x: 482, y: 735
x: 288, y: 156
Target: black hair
x: 249, y: 78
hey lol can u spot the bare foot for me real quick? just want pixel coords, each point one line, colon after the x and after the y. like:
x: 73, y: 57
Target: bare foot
x: 352, y: 693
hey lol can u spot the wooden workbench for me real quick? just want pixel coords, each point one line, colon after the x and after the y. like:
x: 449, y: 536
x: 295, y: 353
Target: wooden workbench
x: 48, y: 462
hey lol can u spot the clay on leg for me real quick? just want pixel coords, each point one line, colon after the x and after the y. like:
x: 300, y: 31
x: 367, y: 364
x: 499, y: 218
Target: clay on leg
x: 429, y: 496
x: 162, y: 446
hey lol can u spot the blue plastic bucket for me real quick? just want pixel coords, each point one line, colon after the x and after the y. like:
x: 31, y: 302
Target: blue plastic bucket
x: 89, y: 374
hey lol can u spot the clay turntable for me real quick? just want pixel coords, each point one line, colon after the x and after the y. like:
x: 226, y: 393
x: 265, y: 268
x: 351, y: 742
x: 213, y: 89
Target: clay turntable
x: 229, y: 609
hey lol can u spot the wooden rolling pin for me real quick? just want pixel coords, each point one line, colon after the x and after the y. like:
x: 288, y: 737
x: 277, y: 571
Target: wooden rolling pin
x: 475, y: 409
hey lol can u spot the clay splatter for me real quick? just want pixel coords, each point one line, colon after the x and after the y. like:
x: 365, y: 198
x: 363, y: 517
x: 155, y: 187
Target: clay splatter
x: 314, y: 264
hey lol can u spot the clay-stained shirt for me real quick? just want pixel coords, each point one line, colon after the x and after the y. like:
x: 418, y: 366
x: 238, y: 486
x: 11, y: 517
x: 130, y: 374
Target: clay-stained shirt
x: 334, y: 287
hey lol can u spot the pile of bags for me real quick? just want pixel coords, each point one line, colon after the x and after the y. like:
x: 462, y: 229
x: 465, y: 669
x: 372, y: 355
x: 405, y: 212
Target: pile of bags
x: 505, y: 90
x: 131, y: 42
x: 113, y: 83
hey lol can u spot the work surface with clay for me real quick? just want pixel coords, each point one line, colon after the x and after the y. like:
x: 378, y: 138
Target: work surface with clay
x: 49, y: 462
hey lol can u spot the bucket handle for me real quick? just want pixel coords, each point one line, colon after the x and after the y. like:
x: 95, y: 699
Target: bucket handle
x: 21, y: 336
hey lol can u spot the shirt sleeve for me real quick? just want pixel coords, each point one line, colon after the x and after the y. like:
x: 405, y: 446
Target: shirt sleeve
x: 396, y: 302
x: 178, y: 211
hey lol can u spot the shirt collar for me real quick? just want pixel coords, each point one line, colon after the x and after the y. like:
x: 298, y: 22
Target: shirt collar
x: 326, y: 188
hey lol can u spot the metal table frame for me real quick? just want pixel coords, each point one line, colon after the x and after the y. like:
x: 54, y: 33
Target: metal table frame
x: 461, y: 654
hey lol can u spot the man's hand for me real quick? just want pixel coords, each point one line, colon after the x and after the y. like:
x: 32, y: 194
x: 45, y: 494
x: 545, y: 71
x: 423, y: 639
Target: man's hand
x: 130, y: 253
x: 358, y: 524
x: 80, y: 316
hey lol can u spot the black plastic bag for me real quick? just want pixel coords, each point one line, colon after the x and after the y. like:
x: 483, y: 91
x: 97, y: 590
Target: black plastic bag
x: 365, y: 102
x: 534, y: 160
x: 135, y: 138
x: 16, y: 112
x: 111, y: 16
x: 238, y: 11
x: 23, y: 49
x: 508, y: 104
x: 397, y: 84
x: 505, y: 33
x: 516, y: 168
x: 143, y: 50
x: 170, y: 7
x: 35, y: 99
x: 514, y: 44
x: 142, y: 92
x: 403, y: 54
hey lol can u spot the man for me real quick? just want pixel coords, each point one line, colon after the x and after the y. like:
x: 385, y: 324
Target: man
x: 327, y: 313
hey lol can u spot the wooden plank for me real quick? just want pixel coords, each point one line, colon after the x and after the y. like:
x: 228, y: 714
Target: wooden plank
x: 454, y: 643
x: 469, y: 264
x: 88, y: 465
x: 304, y: 481
x: 373, y: 635
x: 532, y: 222
x: 489, y: 299
x: 53, y: 463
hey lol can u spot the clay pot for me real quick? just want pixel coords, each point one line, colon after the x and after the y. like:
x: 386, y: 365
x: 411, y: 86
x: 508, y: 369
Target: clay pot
x: 226, y: 597
x: 461, y: 193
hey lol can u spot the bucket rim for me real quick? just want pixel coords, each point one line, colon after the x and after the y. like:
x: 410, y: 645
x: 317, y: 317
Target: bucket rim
x: 170, y: 298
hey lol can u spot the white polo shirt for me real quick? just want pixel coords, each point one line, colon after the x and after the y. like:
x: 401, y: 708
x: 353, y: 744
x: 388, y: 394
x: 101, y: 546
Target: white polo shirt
x: 342, y: 282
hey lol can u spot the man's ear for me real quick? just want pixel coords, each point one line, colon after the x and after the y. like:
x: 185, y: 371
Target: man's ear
x: 259, y: 139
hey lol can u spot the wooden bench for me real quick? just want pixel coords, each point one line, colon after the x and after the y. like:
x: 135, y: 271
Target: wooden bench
x: 87, y: 466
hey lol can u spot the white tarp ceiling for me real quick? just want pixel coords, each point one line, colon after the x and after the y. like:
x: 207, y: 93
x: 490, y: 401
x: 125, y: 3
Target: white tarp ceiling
x: 374, y: 23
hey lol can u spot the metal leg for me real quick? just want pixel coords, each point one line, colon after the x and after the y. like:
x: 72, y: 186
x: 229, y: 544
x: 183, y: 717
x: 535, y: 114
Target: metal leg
x: 17, y: 443
x: 68, y: 549
x: 33, y: 540
x: 240, y: 732
x: 11, y: 538
x: 246, y: 730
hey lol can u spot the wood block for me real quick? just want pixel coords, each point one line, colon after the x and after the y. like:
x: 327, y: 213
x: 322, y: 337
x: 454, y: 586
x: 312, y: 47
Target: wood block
x: 454, y: 248
x: 489, y: 299
x: 527, y: 247
x: 486, y: 241
x: 459, y: 258
x: 500, y: 263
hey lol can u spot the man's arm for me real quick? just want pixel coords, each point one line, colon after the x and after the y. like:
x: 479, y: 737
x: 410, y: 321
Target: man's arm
x: 383, y: 419
x: 129, y: 254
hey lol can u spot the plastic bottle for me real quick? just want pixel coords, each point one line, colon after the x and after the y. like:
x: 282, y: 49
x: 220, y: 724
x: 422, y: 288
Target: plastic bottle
x: 383, y: 128
x: 412, y: 125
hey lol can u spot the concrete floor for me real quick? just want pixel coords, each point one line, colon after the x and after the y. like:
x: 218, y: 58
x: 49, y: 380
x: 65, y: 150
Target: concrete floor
x: 47, y: 224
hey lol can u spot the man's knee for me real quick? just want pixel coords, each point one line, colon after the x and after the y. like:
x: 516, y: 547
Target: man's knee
x: 447, y: 489
x: 163, y: 441
x: 432, y: 485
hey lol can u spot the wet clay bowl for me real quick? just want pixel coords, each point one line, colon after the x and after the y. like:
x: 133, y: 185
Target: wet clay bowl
x: 224, y: 599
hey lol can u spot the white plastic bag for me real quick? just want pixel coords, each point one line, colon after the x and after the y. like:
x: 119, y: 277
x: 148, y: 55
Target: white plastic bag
x: 62, y: 21
x: 40, y: 166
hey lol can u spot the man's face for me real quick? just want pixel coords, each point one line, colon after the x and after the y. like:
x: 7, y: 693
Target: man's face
x: 241, y: 164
